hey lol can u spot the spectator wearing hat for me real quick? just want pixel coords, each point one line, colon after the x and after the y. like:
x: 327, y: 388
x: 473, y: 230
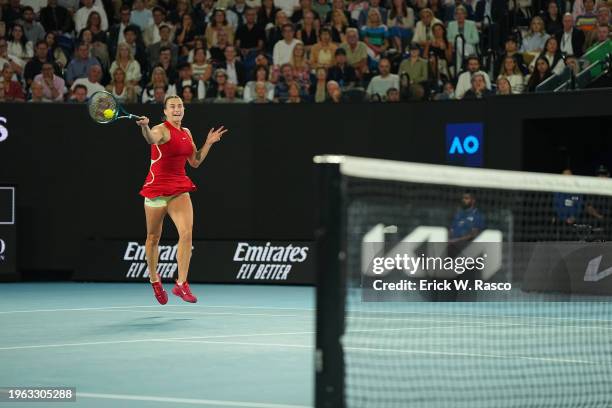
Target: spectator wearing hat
x: 414, y: 66
x: 341, y: 71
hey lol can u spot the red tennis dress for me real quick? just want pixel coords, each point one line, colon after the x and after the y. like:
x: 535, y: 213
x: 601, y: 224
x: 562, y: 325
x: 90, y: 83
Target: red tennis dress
x: 167, y: 175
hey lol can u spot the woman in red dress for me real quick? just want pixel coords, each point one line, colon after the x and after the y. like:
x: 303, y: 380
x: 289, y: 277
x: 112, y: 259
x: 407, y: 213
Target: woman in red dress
x: 166, y: 190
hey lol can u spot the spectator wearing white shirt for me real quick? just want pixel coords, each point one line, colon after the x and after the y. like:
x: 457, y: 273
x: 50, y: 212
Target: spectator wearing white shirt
x: 18, y: 45
x: 284, y: 48
x: 513, y: 74
x: 16, y: 63
x: 380, y: 84
x: 553, y: 55
x: 80, y: 17
x: 464, y: 82
x: 125, y: 60
x: 92, y: 82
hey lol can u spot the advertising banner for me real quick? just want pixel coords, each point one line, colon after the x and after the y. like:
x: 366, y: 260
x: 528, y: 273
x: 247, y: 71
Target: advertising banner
x: 262, y: 262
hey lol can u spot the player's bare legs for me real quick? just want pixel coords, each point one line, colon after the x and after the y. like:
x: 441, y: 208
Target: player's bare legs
x: 155, y: 221
x: 181, y: 212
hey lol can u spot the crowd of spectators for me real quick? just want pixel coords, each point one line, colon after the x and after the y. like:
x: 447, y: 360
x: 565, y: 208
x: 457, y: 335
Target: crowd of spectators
x: 294, y: 51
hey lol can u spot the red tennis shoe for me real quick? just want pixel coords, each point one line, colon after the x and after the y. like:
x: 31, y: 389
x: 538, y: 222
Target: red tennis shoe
x: 184, y: 292
x: 160, y: 294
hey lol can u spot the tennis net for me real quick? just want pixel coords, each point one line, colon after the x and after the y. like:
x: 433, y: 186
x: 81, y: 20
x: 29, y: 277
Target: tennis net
x: 544, y: 340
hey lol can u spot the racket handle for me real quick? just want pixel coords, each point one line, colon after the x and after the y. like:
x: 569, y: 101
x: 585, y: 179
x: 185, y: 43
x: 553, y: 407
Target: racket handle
x: 134, y: 117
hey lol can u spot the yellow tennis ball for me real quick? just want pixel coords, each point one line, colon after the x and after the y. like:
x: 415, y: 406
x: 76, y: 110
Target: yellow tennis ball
x: 108, y: 113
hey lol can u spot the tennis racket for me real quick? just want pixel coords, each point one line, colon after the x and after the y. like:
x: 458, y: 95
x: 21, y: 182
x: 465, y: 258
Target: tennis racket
x: 104, y: 108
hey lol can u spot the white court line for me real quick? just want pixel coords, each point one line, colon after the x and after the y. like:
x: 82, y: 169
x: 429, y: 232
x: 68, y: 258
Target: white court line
x: 312, y: 310
x: 222, y: 336
x: 401, y: 351
x: 74, y: 309
x: 192, y: 401
x: 95, y: 343
x: 472, y: 315
x: 205, y: 313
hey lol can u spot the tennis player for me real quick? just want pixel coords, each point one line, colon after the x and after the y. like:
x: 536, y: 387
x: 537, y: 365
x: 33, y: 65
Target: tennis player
x: 166, y: 191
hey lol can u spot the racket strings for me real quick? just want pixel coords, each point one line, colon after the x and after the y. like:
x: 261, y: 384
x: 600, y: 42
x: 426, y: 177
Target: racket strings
x: 100, y: 102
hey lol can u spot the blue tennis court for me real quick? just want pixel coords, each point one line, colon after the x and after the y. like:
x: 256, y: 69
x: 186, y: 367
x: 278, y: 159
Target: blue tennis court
x: 241, y: 346
x: 253, y: 346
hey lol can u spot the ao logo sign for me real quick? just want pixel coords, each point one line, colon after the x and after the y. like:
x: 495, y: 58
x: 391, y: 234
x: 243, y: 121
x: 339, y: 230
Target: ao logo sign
x: 470, y: 145
x: 464, y: 144
x: 2, y: 249
x: 3, y: 129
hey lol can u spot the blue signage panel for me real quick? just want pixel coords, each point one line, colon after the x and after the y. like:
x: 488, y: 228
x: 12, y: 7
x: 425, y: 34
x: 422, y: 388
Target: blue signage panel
x: 464, y: 144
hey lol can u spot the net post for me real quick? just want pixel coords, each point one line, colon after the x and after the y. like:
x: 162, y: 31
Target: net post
x: 330, y: 294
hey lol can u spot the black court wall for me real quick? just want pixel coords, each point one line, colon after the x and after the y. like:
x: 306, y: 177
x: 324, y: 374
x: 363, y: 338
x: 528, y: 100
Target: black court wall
x: 77, y: 180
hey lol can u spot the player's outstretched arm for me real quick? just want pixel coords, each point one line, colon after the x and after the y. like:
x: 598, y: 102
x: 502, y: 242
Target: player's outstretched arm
x: 213, y: 137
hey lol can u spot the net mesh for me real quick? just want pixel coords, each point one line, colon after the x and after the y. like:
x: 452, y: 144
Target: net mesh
x: 545, y: 343
x: 99, y: 103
